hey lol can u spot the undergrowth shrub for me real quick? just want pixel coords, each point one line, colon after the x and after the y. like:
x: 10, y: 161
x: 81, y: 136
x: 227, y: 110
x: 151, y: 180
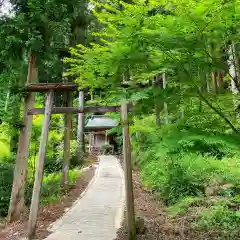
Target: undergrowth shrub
x: 202, y: 147
x: 182, y: 206
x: 6, y: 178
x: 220, y: 221
x: 52, y: 187
x: 54, y: 153
x: 186, y: 163
x: 236, y: 199
x: 181, y: 182
x: 178, y: 177
x: 106, y: 149
x: 177, y: 162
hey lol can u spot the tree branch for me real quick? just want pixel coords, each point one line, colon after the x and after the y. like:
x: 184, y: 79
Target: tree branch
x: 217, y: 111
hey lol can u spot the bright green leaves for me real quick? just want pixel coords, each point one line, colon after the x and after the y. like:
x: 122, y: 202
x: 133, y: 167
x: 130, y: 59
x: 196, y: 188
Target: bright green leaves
x: 185, y: 39
x: 131, y: 39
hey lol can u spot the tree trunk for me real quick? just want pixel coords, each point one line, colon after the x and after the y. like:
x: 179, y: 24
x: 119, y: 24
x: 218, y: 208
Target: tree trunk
x: 15, y: 123
x: 67, y: 140
x: 164, y: 77
x: 207, y: 83
x: 182, y: 113
x: 157, y: 83
x: 220, y: 82
x: 20, y: 172
x: 214, y: 82
x: 158, y: 117
x: 217, y: 111
x: 234, y: 73
x: 234, y: 69
x: 235, y: 63
x: 7, y: 101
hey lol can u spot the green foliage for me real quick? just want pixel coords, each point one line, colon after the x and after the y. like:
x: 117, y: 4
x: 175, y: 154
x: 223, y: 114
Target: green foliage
x: 130, y: 40
x: 178, y: 162
x: 106, y: 149
x: 52, y: 187
x: 222, y: 221
x: 236, y: 199
x: 5, y: 153
x: 4, y: 142
x: 6, y: 178
x: 54, y: 155
x: 133, y: 43
x: 173, y: 179
x: 181, y: 163
x: 182, y: 206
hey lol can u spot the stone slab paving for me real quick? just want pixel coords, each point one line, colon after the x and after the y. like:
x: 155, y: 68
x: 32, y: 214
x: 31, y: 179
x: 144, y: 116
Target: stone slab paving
x: 98, y: 213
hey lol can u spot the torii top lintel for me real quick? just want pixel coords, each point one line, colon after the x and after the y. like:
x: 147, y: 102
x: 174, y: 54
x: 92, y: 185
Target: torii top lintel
x: 44, y: 87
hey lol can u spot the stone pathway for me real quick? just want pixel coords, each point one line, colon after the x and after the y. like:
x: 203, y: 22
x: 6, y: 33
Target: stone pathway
x: 98, y: 213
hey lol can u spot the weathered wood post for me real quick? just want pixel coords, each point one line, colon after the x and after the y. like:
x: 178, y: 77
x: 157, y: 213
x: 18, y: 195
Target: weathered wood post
x: 67, y: 141
x: 32, y: 222
x: 130, y: 215
x: 20, y: 172
x: 80, y: 133
x: 90, y: 142
x: 106, y: 137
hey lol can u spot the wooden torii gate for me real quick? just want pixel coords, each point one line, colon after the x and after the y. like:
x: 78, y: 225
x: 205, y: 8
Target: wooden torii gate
x: 49, y: 109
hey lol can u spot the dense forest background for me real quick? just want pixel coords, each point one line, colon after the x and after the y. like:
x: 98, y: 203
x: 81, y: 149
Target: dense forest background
x: 177, y: 62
